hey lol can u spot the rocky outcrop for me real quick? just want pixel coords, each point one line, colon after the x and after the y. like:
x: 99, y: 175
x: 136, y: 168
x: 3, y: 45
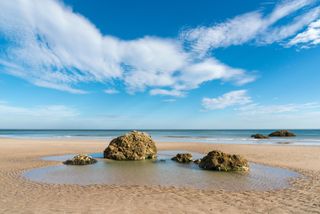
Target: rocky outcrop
x: 219, y: 161
x: 282, y: 133
x: 259, y: 136
x: 183, y: 158
x: 131, y: 146
x: 81, y: 160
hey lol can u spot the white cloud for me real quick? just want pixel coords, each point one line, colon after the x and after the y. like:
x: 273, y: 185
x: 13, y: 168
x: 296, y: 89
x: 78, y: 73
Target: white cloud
x: 174, y: 93
x: 232, y: 98
x: 310, y: 37
x: 300, y: 22
x: 51, y: 46
x: 246, y: 106
x: 56, y: 117
x: 258, y: 109
x: 253, y: 26
x: 111, y: 91
x: 52, y: 112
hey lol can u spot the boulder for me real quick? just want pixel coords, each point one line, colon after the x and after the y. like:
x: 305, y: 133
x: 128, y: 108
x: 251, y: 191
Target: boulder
x: 183, y: 158
x: 282, y: 133
x: 131, y: 146
x: 259, y: 136
x: 81, y: 160
x: 219, y: 161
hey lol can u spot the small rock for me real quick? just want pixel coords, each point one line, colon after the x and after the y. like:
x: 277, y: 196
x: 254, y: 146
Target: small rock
x: 81, y: 160
x: 197, y: 161
x: 282, y: 133
x: 259, y: 136
x: 219, y: 161
x: 183, y: 158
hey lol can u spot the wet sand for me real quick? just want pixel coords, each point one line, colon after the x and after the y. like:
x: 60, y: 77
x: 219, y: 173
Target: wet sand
x: 19, y: 195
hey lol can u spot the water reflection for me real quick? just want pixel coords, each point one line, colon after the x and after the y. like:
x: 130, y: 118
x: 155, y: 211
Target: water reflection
x: 161, y: 172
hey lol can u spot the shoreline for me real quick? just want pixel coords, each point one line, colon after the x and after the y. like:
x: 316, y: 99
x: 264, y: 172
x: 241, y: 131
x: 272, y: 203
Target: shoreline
x: 18, y: 155
x: 177, y: 140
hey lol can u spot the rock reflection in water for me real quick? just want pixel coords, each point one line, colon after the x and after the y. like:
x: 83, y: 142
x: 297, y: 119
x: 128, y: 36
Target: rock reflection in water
x: 163, y: 172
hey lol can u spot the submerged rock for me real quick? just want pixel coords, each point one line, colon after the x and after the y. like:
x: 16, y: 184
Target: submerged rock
x: 131, y: 146
x: 282, y: 133
x: 259, y: 136
x: 183, y: 158
x: 159, y: 161
x: 219, y: 161
x: 81, y: 160
x: 283, y: 142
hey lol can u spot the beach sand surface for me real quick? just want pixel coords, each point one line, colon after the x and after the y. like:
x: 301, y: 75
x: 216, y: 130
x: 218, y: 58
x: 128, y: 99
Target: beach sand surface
x: 18, y: 195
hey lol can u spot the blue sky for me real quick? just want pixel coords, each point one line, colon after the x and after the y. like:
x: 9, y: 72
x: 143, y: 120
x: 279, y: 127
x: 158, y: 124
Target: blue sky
x: 159, y: 64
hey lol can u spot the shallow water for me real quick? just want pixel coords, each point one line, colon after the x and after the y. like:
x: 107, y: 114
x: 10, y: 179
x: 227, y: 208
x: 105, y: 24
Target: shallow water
x: 162, y: 172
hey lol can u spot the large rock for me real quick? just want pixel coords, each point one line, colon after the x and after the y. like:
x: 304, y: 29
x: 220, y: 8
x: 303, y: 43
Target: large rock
x: 282, y: 133
x: 81, y: 160
x: 219, y: 161
x: 183, y: 158
x: 131, y: 146
x: 259, y: 136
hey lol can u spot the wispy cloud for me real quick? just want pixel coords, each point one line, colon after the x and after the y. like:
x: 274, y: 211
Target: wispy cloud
x: 111, y: 91
x: 57, y: 116
x: 49, y: 45
x: 174, y: 93
x: 245, y: 105
x: 54, y: 112
x: 254, y: 26
x: 233, y: 98
x: 310, y: 37
x: 258, y: 109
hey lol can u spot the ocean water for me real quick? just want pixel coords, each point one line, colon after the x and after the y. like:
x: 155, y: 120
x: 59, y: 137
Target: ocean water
x: 304, y: 137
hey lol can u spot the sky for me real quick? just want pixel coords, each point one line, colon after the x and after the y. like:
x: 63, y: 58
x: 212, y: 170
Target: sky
x: 120, y: 64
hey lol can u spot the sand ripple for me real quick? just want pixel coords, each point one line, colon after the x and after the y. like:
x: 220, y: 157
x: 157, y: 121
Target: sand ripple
x: 18, y: 195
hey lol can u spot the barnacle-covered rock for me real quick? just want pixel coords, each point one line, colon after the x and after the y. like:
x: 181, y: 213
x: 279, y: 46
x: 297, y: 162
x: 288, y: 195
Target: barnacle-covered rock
x: 81, y: 160
x: 183, y: 158
x: 220, y: 161
x: 131, y: 146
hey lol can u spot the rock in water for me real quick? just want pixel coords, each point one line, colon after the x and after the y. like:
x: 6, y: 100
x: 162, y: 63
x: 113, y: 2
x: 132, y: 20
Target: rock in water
x: 183, y: 158
x: 81, y: 160
x: 259, y: 136
x: 197, y: 161
x: 282, y: 133
x: 219, y: 161
x: 131, y: 146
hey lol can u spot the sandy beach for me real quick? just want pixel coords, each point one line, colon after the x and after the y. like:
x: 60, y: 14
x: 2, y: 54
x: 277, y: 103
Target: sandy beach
x: 19, y: 195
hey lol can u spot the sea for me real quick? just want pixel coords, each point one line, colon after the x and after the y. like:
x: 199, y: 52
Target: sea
x: 304, y: 137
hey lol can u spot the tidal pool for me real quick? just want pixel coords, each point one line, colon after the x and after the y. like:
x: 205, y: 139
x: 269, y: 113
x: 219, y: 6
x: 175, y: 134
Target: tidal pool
x: 162, y: 172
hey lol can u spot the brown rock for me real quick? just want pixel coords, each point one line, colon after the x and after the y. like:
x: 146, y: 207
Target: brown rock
x: 81, y: 160
x: 197, y: 161
x: 282, y: 133
x: 259, y: 136
x: 219, y: 161
x: 131, y: 146
x: 183, y: 158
